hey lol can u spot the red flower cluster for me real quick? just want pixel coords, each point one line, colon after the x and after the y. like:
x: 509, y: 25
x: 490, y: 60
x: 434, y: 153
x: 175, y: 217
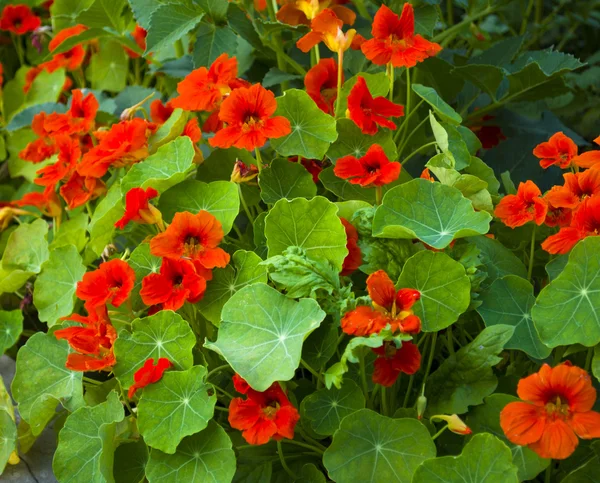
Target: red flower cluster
x: 373, y: 169
x: 19, y: 19
x: 262, y: 415
x: 148, y: 374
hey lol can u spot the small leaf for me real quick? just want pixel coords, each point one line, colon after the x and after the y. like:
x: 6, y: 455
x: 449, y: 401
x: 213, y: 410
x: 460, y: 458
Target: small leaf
x: 169, y: 23
x: 312, y: 130
x: 262, y: 333
x: 485, y: 459
x: 27, y: 247
x: 205, y: 456
x: 164, y: 334
x: 352, y: 142
x: 11, y: 326
x: 432, y: 98
x: 54, y: 290
x: 325, y: 408
x: 227, y: 281
x: 466, y: 377
x: 212, y: 41
x: 178, y: 405
x: 162, y: 170
x: 567, y: 310
x: 283, y: 179
x: 42, y: 381
x: 312, y: 225
x: 433, y: 213
x: 72, y: 232
x: 444, y: 286
x: 220, y: 198
x: 377, y: 448
x: 508, y: 301
x: 498, y: 260
x: 86, y: 443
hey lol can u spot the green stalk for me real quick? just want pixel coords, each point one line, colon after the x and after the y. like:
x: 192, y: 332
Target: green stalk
x: 282, y: 458
x: 531, y: 253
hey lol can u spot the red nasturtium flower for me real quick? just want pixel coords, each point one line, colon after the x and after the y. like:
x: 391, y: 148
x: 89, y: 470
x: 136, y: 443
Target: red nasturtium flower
x: 139, y: 37
x: 391, y: 362
x: 390, y: 306
x: 204, y: 89
x: 93, y: 342
x: 373, y: 169
x: 263, y: 415
x: 368, y: 112
x: 326, y: 27
x: 138, y: 209
x: 78, y: 190
x: 69, y: 153
x: 296, y: 12
x: 394, y: 40
x: 47, y: 202
x: 426, y: 174
x: 148, y: 374
x: 354, y: 258
x: 557, y: 408
x: 72, y: 58
x: 78, y: 119
x: 557, y: 216
x: 585, y: 222
x: 577, y: 187
x: 19, y: 19
x: 321, y: 84
x: 176, y: 284
x: 248, y: 113
x: 558, y: 150
x: 527, y: 205
x: 159, y: 112
x: 111, y: 283
x: 195, y: 237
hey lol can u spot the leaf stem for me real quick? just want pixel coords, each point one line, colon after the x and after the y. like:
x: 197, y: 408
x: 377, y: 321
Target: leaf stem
x: 548, y: 474
x: 378, y: 195
x: 406, y: 139
x: 588, y: 359
x: 258, y: 160
x: 363, y: 376
x: 302, y: 445
x: 531, y: 253
x: 434, y: 437
x: 450, y: 340
x: 431, y: 355
x: 468, y: 20
x: 411, y: 380
x: 384, y: 404
x: 390, y: 72
x: 126, y: 402
x: 310, y: 440
x: 416, y: 151
x: 312, y: 371
x: 317, y: 54
x: 282, y: 459
x: 91, y: 381
x: 245, y: 205
x: 340, y: 74
x: 217, y: 369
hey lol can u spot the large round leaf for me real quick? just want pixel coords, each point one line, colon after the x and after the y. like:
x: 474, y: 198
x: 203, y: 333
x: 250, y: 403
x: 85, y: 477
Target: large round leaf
x: 42, y: 381
x: 219, y: 198
x: 312, y: 225
x: 164, y: 334
x: 205, y: 456
x: 262, y: 333
x: 567, y: 311
x: 326, y: 408
x: 312, y: 130
x: 444, y: 286
x: 508, y: 301
x: 176, y: 406
x: 86, y: 443
x: 283, y: 179
x: 376, y: 449
x: 54, y: 290
x: 11, y: 326
x: 486, y: 419
x: 432, y: 212
x: 485, y: 459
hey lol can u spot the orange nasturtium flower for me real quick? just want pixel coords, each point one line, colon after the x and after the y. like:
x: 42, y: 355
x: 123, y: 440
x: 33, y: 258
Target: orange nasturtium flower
x: 138, y: 209
x: 527, y: 205
x: 327, y: 28
x: 177, y: 283
x: 203, y: 89
x: 556, y: 409
x: 368, y: 112
x: 111, y: 283
x: 321, y: 84
x: 69, y: 153
x: 195, y: 237
x: 78, y: 190
x: 391, y: 362
x: 72, y: 58
x: 262, y: 415
x: 47, y: 202
x: 354, y: 258
x: 373, y: 169
x: 78, y: 119
x: 149, y: 374
x: 248, y: 113
x: 390, y: 306
x: 394, y: 40
x: 585, y: 222
x: 19, y: 19
x: 559, y: 150
x: 297, y: 12
x: 159, y: 112
x: 577, y: 187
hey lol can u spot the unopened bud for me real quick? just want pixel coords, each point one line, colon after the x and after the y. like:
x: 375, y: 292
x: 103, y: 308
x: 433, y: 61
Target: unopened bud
x: 243, y: 173
x: 421, y: 406
x: 455, y: 424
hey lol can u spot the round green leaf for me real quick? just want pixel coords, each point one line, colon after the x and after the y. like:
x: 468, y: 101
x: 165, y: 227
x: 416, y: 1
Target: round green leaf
x: 567, y: 311
x: 86, y: 443
x: 262, y: 333
x: 377, y: 448
x: 312, y: 130
x: 586, y: 473
x: 27, y: 247
x: 205, y: 456
x: 312, y: 225
x: 11, y: 326
x: 42, y: 381
x: 508, y: 301
x: 8, y: 438
x: 227, y: 281
x: 72, y: 232
x: 486, y: 419
x: 220, y: 198
x: 485, y: 459
x: 326, y: 408
x: 130, y: 462
x: 352, y: 142
x: 283, y: 179
x: 177, y: 406
x: 432, y: 212
x: 164, y: 334
x: 444, y: 286
x: 54, y: 290
x: 165, y: 168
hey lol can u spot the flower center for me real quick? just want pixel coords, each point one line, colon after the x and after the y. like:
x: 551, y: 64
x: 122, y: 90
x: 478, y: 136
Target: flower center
x: 177, y: 281
x: 271, y: 409
x: 192, y: 245
x: 557, y: 408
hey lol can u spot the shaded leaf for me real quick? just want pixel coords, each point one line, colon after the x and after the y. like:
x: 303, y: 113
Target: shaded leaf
x: 443, y: 109
x: 283, y: 179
